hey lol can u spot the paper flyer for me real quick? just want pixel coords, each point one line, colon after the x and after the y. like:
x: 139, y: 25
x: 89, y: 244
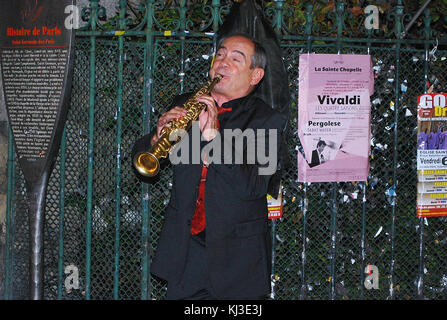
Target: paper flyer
x: 432, y: 155
x: 334, y: 111
x: 274, y: 206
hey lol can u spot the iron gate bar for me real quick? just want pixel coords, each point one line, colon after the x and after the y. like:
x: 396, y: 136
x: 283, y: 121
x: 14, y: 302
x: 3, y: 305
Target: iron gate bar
x: 304, y: 204
x: 362, y: 241
x: 192, y: 34
x: 147, y: 107
x: 122, y: 23
x: 272, y: 276
x: 420, y: 282
x: 304, y: 200
x: 9, y: 217
x: 363, y: 218
x: 61, y: 216
x: 93, y: 17
x: 395, y: 144
x: 303, y: 277
x: 333, y: 249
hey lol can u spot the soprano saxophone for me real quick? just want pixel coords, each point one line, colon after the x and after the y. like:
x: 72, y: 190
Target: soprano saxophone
x: 147, y: 162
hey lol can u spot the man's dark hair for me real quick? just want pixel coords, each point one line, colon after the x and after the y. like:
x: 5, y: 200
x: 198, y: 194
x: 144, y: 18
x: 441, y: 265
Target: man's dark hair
x: 321, y: 143
x: 259, y: 57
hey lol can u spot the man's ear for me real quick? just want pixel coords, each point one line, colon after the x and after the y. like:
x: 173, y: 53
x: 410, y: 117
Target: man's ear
x: 257, y: 75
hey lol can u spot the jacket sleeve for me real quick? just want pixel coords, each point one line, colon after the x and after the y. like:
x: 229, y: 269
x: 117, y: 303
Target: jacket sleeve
x: 250, y: 178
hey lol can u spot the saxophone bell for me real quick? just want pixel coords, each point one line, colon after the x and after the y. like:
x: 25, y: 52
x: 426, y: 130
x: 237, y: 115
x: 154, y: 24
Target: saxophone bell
x: 146, y: 164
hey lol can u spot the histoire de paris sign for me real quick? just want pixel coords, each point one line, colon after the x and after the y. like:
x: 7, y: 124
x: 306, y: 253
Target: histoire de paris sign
x: 36, y: 50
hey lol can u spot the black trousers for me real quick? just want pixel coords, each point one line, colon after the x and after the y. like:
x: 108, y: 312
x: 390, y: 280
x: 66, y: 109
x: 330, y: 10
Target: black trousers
x: 195, y: 283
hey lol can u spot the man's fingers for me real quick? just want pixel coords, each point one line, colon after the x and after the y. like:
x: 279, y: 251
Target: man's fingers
x: 210, y: 105
x: 178, y: 111
x: 208, y: 100
x: 172, y: 114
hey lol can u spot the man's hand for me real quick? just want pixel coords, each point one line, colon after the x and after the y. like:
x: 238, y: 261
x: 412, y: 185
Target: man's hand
x: 208, y: 118
x: 174, y: 113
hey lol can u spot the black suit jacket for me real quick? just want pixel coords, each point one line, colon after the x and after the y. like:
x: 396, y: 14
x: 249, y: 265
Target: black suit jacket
x: 238, y: 243
x: 315, y: 161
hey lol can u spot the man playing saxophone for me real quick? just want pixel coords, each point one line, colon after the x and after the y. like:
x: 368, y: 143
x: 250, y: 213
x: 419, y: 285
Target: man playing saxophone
x: 215, y: 242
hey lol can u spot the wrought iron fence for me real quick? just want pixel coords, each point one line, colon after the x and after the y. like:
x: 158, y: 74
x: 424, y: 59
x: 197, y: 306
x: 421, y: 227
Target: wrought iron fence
x: 102, y: 224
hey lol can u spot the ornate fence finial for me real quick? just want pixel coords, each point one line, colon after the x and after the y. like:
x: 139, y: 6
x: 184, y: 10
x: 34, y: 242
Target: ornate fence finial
x: 89, y: 14
x: 215, y: 15
x: 340, y: 15
x: 182, y: 23
x: 92, y: 14
x: 278, y: 19
x: 309, y: 19
x: 122, y: 22
x: 216, y: 11
x: 428, y: 32
x: 398, y: 20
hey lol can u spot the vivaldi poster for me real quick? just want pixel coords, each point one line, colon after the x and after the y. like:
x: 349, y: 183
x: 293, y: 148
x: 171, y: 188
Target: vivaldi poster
x: 334, y: 117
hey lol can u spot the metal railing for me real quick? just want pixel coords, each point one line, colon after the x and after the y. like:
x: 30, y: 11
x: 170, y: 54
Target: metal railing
x: 102, y: 224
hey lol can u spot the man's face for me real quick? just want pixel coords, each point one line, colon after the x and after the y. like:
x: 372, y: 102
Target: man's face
x: 233, y: 62
x: 321, y: 148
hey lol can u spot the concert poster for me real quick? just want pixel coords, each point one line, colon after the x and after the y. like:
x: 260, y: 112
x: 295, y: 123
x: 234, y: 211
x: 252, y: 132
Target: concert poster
x: 334, y: 111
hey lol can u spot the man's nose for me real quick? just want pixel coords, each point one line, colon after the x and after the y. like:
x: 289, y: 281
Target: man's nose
x: 225, y: 62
